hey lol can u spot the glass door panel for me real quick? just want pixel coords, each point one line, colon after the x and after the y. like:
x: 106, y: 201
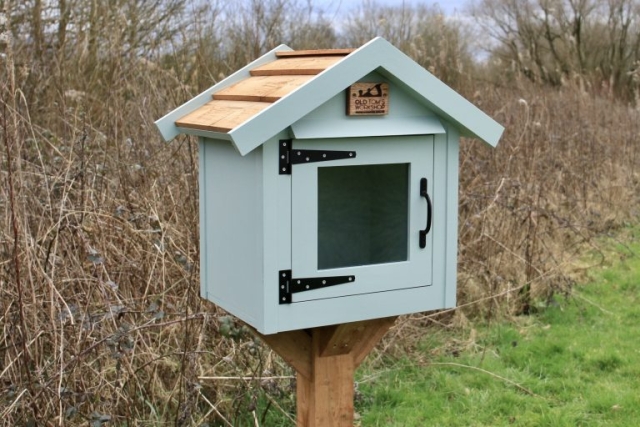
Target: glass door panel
x: 363, y: 215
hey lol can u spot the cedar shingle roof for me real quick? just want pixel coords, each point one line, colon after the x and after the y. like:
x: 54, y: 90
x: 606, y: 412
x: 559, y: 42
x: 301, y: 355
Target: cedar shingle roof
x: 268, y: 83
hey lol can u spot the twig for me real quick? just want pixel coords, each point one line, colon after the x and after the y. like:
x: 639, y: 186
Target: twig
x: 13, y: 404
x: 76, y: 359
x: 508, y: 381
x: 593, y: 304
x: 274, y: 403
x: 284, y: 377
x: 213, y: 409
x: 512, y: 253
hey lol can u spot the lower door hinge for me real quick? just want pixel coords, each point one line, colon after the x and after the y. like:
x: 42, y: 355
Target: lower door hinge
x: 289, y: 286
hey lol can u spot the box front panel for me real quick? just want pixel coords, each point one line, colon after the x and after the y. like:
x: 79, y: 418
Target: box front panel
x: 362, y: 216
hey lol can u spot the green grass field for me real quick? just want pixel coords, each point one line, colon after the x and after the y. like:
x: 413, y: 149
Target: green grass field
x: 577, y: 363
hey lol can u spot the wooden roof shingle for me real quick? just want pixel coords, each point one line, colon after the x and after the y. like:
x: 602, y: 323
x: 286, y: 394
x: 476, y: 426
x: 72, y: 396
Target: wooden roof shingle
x: 267, y: 83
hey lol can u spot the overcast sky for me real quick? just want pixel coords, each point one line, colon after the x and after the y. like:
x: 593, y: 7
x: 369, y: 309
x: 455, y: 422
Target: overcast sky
x: 454, y: 9
x: 450, y: 7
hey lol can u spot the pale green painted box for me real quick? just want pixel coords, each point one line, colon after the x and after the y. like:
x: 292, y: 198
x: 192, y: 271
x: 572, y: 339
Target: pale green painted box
x: 312, y: 213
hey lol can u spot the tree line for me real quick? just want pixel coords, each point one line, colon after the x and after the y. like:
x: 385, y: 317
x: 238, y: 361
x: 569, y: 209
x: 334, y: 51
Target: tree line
x: 595, y: 43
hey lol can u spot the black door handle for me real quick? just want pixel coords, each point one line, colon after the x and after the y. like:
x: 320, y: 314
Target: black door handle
x: 423, y: 193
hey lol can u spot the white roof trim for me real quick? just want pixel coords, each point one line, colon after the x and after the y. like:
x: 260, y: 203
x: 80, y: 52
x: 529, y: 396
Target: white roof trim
x: 440, y: 98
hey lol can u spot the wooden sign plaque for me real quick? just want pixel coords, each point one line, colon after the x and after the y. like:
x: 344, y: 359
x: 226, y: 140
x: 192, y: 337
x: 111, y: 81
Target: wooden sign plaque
x: 368, y: 99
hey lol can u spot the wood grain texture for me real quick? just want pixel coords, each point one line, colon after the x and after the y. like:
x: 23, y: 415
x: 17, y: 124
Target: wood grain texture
x: 262, y: 88
x: 317, y: 52
x: 235, y: 104
x: 337, y: 340
x: 303, y: 400
x: 331, y: 403
x: 306, y: 65
x: 325, y: 359
x: 294, y: 347
x: 221, y: 116
x: 373, y: 332
x: 356, y: 338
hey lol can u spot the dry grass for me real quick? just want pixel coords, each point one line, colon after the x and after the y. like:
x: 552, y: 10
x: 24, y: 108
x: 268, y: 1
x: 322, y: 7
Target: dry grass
x: 99, y: 300
x: 566, y: 169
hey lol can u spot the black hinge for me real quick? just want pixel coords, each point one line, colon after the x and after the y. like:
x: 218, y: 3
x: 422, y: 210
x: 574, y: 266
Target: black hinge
x: 289, y: 286
x: 289, y: 156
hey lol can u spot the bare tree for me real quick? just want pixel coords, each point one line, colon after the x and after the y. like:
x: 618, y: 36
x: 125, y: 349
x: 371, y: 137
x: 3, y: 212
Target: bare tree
x: 555, y: 41
x: 436, y: 43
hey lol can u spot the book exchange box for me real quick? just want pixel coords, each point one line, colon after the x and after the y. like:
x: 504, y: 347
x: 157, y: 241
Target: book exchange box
x: 328, y: 186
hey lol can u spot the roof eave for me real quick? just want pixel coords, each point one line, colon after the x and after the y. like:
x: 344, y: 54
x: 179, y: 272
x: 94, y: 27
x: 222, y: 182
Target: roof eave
x: 440, y: 98
x: 167, y: 124
x: 204, y: 133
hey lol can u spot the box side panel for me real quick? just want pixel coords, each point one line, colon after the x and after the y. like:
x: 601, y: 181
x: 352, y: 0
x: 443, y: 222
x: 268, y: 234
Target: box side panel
x: 453, y: 150
x: 233, y: 235
x: 202, y: 189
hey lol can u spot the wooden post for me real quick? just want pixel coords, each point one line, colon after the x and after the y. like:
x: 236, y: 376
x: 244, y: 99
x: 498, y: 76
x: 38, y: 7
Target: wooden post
x: 325, y: 360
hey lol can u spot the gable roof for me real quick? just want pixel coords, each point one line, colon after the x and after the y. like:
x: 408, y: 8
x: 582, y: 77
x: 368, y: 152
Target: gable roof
x: 281, y: 87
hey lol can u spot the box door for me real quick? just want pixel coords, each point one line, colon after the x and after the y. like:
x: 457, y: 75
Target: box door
x: 362, y: 219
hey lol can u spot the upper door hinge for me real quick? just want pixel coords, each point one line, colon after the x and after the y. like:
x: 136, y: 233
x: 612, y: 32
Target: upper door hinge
x: 289, y: 156
x: 289, y: 286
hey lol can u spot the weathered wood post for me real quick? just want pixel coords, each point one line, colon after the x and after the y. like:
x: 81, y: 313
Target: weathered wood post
x: 325, y: 360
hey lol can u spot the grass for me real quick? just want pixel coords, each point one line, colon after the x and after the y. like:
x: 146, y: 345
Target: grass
x: 576, y: 363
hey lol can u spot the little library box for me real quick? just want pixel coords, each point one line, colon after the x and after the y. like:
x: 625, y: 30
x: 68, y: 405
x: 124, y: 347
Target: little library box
x: 328, y: 186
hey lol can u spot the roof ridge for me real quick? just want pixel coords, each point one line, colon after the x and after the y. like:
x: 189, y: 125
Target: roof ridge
x: 297, y: 65
x: 314, y: 52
